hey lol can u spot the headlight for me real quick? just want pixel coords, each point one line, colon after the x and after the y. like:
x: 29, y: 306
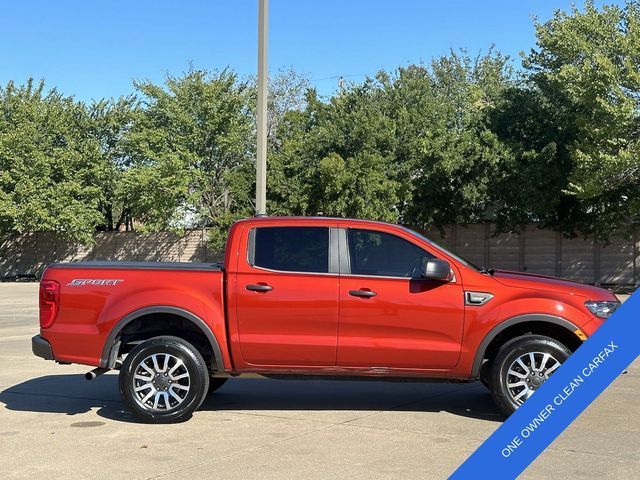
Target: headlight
x: 602, y: 309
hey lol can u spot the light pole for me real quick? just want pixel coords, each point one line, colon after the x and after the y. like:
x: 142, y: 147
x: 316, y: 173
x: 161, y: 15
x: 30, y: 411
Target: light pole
x: 261, y: 150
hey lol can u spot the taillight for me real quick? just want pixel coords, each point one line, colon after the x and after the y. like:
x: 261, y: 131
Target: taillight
x: 49, y: 293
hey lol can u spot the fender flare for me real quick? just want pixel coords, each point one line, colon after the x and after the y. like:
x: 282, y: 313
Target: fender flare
x: 106, y: 357
x: 495, y: 331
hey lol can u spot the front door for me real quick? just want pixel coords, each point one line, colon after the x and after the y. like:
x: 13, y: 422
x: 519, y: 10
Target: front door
x: 287, y: 297
x: 389, y: 316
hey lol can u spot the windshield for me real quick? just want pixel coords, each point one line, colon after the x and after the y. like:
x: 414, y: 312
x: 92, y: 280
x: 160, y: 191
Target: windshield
x: 440, y: 247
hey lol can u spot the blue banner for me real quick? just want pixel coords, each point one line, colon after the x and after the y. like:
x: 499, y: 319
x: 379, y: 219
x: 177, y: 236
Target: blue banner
x: 571, y: 388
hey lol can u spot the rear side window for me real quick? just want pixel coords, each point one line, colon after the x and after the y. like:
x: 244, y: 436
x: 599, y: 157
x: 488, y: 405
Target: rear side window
x: 291, y: 249
x: 383, y: 254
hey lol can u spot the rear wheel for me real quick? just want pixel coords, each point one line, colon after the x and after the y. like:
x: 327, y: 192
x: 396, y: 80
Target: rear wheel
x: 521, y: 366
x: 163, y: 380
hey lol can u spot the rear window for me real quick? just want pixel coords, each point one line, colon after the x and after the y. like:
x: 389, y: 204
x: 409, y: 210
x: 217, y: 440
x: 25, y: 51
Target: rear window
x: 291, y: 249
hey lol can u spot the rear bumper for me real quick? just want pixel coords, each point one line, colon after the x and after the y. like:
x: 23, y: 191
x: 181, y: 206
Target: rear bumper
x: 41, y: 348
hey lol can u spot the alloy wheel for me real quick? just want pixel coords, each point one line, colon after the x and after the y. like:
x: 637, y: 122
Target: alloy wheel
x: 161, y: 382
x: 528, y: 372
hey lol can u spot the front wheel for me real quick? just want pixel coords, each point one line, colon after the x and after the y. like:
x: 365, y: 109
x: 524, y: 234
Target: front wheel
x: 163, y: 380
x: 521, y: 366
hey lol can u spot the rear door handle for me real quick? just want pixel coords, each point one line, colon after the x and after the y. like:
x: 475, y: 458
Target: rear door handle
x: 362, y: 293
x: 259, y: 288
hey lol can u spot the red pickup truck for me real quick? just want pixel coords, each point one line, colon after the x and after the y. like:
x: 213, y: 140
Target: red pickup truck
x: 309, y: 297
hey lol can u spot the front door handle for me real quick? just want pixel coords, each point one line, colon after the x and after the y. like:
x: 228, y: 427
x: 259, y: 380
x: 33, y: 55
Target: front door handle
x: 362, y: 293
x: 259, y: 288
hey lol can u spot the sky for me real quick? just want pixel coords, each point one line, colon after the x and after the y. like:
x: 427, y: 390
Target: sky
x: 95, y: 49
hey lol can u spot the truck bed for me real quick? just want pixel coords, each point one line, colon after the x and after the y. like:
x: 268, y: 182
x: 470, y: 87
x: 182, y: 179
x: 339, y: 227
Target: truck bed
x: 98, y: 299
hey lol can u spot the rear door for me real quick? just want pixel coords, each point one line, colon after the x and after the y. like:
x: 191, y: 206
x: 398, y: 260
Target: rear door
x: 389, y: 316
x: 287, y: 296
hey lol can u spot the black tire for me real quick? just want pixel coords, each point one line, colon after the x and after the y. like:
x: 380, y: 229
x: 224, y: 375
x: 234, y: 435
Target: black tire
x: 215, y: 383
x: 181, y: 396
x: 510, y: 352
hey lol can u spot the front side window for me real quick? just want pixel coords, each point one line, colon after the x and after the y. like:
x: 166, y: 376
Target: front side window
x: 383, y: 254
x: 292, y: 249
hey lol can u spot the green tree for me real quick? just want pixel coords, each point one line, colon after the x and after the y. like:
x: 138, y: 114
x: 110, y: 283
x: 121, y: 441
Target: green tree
x: 530, y: 183
x: 460, y: 139
x: 415, y: 146
x: 287, y: 102
x: 586, y: 68
x: 336, y: 158
x: 110, y: 121
x: 446, y: 151
x: 287, y: 93
x: 50, y: 169
x: 354, y: 151
x: 188, y: 141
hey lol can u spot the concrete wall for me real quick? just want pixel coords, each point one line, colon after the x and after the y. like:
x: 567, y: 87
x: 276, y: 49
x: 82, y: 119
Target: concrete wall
x: 535, y: 251
x: 30, y: 253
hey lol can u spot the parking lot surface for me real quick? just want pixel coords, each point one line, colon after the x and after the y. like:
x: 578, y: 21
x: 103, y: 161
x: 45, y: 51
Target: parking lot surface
x: 55, y: 424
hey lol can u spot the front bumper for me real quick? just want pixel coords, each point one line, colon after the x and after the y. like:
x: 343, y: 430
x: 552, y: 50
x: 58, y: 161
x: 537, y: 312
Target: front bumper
x: 41, y: 348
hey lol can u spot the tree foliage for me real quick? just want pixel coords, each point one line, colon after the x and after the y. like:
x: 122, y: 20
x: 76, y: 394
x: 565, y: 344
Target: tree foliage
x: 459, y: 139
x: 110, y: 121
x: 187, y: 142
x: 587, y: 67
x: 51, y: 171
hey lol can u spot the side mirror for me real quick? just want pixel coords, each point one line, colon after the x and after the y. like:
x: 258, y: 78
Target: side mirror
x: 438, y: 270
